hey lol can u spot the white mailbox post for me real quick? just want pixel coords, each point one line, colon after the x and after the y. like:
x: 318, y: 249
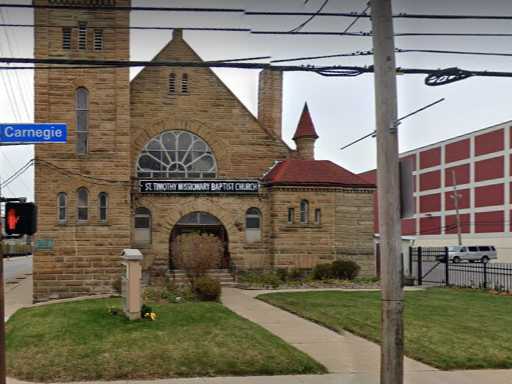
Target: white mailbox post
x: 131, y: 283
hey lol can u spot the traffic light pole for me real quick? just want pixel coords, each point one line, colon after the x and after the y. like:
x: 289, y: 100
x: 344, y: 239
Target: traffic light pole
x: 2, y: 301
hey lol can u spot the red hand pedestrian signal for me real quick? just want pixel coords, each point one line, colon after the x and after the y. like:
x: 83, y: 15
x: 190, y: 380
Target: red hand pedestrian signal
x: 20, y: 219
x: 12, y: 220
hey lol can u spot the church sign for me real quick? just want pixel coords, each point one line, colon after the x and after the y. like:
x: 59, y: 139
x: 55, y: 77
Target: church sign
x: 199, y: 186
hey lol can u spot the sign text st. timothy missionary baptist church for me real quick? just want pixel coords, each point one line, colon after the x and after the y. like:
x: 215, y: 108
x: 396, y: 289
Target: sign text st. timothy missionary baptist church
x: 199, y: 186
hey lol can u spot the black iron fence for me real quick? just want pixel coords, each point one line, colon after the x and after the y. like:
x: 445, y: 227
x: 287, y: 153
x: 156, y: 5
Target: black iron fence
x: 431, y: 265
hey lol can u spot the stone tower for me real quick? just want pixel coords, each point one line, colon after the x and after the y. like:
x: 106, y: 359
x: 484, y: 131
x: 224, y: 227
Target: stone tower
x: 305, y: 136
x: 83, y: 186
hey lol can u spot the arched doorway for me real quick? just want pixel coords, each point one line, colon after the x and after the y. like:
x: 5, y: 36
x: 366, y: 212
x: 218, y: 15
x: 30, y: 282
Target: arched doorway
x: 199, y: 222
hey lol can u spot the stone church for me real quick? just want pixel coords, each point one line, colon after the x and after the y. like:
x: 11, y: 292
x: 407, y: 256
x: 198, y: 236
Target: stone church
x: 170, y: 152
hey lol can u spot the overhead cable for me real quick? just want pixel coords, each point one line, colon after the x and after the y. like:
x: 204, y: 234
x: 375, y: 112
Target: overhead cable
x: 303, y: 24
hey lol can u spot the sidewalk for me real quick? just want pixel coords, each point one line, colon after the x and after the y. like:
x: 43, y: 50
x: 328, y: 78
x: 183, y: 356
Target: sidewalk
x: 350, y: 359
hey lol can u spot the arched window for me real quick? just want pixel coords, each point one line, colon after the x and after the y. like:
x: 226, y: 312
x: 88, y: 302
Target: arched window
x: 82, y: 120
x: 304, y: 212
x: 82, y: 205
x: 62, y: 208
x: 142, y: 226
x: 103, y: 206
x: 253, y: 225
x: 172, y: 84
x: 184, y: 83
x: 177, y: 155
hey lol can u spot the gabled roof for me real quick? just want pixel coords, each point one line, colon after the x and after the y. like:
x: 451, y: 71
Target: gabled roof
x: 305, y: 128
x: 186, y: 53
x: 313, y: 173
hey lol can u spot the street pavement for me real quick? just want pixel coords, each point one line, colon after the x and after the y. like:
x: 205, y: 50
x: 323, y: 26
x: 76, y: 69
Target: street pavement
x: 15, y: 267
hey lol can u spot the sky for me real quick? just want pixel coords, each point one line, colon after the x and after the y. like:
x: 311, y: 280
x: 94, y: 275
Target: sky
x: 342, y: 108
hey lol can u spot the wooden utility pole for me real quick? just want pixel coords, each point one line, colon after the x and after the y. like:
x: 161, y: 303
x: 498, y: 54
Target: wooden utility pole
x: 389, y: 193
x: 455, y: 196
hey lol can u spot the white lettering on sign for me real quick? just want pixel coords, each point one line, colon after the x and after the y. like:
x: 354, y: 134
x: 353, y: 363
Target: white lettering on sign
x: 45, y: 134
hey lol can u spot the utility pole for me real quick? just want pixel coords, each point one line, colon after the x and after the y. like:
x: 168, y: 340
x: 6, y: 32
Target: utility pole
x: 2, y: 299
x: 389, y: 192
x: 456, y: 196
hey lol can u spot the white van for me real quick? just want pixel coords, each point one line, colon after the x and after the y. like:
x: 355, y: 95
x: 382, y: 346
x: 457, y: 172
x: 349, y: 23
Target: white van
x: 482, y: 254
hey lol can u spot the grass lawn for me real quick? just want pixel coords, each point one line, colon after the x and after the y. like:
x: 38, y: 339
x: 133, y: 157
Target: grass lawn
x: 82, y: 341
x: 446, y: 328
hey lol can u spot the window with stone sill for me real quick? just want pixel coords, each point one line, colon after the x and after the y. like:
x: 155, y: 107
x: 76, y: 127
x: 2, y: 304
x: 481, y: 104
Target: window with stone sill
x: 103, y: 207
x: 82, y: 205
x: 184, y: 83
x: 291, y: 215
x: 62, y: 208
x: 66, y: 38
x: 304, y: 212
x: 172, y: 84
x: 82, y: 120
x: 98, y: 39
x: 82, y: 35
x: 253, y: 225
x: 318, y: 216
x: 142, y: 225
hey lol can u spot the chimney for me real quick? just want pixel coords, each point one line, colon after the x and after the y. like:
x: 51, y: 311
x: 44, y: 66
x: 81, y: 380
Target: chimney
x: 305, y: 136
x: 270, y: 100
x: 177, y: 34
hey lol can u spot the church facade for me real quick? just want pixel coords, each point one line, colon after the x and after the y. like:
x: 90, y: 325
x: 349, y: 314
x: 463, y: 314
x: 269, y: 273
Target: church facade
x: 170, y: 152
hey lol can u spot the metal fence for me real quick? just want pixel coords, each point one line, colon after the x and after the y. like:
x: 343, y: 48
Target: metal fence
x: 430, y: 265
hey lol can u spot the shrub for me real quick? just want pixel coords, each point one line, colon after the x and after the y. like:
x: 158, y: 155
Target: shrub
x: 197, y: 253
x: 345, y: 269
x: 282, y: 274
x: 296, y: 274
x: 207, y: 288
x: 116, y: 285
x: 323, y: 272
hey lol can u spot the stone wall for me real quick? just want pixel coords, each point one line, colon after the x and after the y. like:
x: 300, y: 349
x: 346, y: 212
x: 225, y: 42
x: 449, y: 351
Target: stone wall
x: 344, y: 231
x: 85, y: 257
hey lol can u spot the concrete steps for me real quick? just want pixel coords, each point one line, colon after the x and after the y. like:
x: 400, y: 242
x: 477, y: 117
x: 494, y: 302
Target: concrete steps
x: 222, y: 275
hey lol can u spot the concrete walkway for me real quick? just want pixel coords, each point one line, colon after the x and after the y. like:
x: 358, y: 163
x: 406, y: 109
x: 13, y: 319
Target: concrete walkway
x: 339, y: 353
x: 350, y: 359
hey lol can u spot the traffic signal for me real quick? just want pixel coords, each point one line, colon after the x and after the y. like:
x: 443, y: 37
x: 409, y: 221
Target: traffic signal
x: 20, y: 218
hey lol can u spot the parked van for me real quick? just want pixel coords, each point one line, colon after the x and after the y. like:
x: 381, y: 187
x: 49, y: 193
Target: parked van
x: 483, y: 254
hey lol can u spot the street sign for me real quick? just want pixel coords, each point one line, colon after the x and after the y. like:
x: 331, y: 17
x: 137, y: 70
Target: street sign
x: 33, y: 133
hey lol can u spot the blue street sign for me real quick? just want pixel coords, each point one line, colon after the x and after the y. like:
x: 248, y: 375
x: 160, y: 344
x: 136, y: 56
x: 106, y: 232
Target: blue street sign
x: 33, y: 133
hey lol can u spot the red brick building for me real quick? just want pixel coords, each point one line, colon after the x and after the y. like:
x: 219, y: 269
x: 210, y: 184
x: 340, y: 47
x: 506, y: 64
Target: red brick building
x: 479, y: 163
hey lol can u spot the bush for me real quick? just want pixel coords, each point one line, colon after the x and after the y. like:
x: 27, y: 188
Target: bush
x: 345, y: 269
x: 207, y: 289
x: 323, y: 272
x: 197, y: 253
x: 282, y: 274
x: 296, y: 274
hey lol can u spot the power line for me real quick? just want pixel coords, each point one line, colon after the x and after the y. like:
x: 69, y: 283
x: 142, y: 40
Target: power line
x: 102, y: 8
x: 397, y: 122
x: 476, y: 53
x: 302, y: 25
x: 401, y: 15
x: 264, y: 32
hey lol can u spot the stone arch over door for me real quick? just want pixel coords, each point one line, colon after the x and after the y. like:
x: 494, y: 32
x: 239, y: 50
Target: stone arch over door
x: 201, y: 223
x: 165, y: 218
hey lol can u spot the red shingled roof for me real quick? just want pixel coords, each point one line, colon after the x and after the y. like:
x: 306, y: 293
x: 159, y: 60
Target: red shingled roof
x: 313, y: 172
x: 305, y: 128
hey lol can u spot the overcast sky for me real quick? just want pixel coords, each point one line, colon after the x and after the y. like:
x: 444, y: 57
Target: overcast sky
x: 342, y: 108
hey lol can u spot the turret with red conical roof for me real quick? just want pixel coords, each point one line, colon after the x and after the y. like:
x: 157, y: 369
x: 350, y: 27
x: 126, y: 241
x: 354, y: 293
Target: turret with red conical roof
x: 305, y: 136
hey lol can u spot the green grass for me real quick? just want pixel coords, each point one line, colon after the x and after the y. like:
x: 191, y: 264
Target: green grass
x: 82, y: 341
x: 446, y: 328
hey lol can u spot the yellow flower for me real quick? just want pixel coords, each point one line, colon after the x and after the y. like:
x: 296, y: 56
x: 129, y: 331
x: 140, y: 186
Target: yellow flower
x: 153, y: 315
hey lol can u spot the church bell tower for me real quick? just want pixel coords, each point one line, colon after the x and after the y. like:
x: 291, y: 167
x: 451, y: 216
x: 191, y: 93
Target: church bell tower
x: 82, y: 188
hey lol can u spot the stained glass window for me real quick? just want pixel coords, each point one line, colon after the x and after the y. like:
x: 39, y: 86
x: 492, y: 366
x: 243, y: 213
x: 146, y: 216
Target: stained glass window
x: 177, y: 155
